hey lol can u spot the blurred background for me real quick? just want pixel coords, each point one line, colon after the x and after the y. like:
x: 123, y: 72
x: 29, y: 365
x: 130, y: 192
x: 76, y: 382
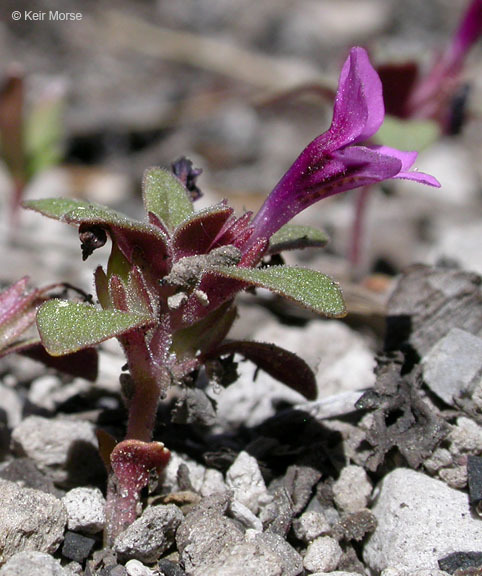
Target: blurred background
x: 240, y: 87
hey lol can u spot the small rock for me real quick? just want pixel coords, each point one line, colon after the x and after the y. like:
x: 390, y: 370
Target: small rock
x: 32, y: 563
x: 168, y: 568
x: 299, y: 482
x: 335, y: 573
x: 441, y: 458
x: 24, y: 472
x: 474, y: 478
x: 420, y: 519
x: 461, y: 561
x: 213, y: 482
x: 247, y: 483
x: 243, y: 514
x: 104, y: 562
x: 452, y: 366
x: 355, y: 526
x: 12, y: 404
x: 170, y: 476
x: 458, y: 243
x: 352, y: 489
x: 455, y: 477
x: 30, y: 520
x: 310, y: 525
x: 49, y: 391
x: 278, y: 514
x: 322, y: 555
x: 150, y: 535
x: 205, y: 532
x: 77, y: 547
x: 428, y: 302
x: 136, y: 568
x: 65, y: 450
x: 85, y: 509
x: 261, y: 554
x: 288, y: 558
x: 74, y: 569
x: 401, y: 572
x: 465, y: 437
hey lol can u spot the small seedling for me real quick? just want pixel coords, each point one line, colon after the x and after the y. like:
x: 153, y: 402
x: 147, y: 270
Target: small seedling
x: 168, y: 291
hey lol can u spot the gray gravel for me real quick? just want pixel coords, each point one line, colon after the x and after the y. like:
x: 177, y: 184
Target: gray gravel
x: 30, y: 520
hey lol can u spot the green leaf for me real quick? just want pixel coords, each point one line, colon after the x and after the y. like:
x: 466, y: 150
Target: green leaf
x: 165, y: 196
x: 279, y: 363
x: 308, y: 288
x: 293, y: 237
x: 407, y: 134
x: 81, y: 211
x: 67, y: 327
x: 134, y: 239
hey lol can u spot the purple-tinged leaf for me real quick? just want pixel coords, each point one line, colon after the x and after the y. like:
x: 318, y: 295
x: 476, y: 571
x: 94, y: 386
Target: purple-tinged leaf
x: 118, y: 293
x: 139, y: 298
x: 135, y: 239
x: 13, y: 299
x: 67, y: 327
x: 279, y: 363
x: 84, y: 363
x: 165, y: 196
x: 131, y: 461
x: 17, y: 311
x: 236, y: 232
x: 196, y: 235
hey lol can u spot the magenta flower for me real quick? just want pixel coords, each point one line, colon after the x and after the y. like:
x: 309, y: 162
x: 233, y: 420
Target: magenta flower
x: 335, y: 161
x: 440, y: 93
x: 432, y: 94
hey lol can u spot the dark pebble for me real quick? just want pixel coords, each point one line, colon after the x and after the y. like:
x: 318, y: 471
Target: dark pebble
x: 474, y: 479
x: 77, y: 547
x: 169, y: 568
x: 460, y: 561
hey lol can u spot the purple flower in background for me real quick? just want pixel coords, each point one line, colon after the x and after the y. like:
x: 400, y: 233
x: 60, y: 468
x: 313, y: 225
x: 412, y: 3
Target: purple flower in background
x: 335, y: 161
x: 430, y: 94
x: 440, y: 94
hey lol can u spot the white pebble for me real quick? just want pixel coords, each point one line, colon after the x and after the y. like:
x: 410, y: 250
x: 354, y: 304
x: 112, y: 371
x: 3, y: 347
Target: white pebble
x: 136, y: 568
x: 322, y: 555
x: 352, y: 489
x: 310, y: 525
x: 85, y: 509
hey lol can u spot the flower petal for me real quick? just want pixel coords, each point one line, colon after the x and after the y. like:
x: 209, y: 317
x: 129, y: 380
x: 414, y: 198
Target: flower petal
x: 359, y: 108
x: 407, y: 159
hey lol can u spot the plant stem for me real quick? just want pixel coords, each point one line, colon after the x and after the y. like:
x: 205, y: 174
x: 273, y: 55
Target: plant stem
x: 356, y: 241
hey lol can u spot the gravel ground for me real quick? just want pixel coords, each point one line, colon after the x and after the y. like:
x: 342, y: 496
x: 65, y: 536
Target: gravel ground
x: 382, y: 474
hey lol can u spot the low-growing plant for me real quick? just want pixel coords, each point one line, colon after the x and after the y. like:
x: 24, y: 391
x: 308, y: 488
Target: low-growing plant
x: 168, y: 291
